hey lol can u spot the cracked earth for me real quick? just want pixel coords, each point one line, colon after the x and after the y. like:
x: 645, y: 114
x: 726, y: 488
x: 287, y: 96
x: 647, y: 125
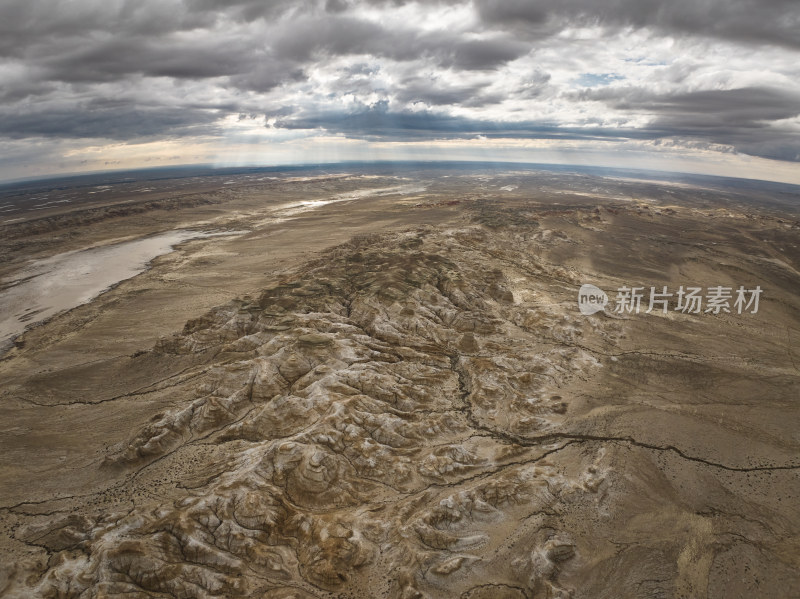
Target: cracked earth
x: 425, y: 413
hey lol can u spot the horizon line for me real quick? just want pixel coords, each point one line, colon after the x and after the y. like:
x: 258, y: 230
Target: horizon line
x: 10, y: 183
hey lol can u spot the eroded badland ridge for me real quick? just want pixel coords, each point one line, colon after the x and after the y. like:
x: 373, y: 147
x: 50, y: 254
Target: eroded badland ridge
x: 424, y: 412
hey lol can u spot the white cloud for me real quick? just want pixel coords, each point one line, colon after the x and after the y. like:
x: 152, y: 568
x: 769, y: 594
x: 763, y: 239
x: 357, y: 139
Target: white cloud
x: 182, y: 73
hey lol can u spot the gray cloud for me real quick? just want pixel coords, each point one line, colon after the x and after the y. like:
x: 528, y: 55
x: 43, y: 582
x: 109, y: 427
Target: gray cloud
x: 480, y: 54
x: 735, y: 117
x: 112, y: 58
x: 706, y: 108
x: 132, y: 69
x: 29, y: 26
x: 755, y: 21
x: 341, y: 35
x: 379, y: 122
x: 123, y: 122
x: 431, y: 92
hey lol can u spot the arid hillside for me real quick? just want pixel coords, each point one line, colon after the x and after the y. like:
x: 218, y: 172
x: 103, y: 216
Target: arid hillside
x: 425, y: 412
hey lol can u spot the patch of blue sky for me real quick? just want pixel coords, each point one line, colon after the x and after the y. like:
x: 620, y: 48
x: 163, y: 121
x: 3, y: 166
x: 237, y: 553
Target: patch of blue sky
x: 597, y: 79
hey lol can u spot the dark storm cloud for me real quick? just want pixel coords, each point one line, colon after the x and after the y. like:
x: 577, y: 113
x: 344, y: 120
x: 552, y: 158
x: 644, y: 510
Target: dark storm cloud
x: 735, y: 117
x: 432, y: 93
x: 126, y: 69
x: 758, y: 21
x: 112, y: 58
x: 28, y: 27
x: 739, y: 118
x: 119, y: 47
x: 111, y: 122
x: 334, y: 36
x: 701, y: 120
x: 480, y: 54
x: 725, y: 109
x: 310, y: 37
x: 745, y: 107
x: 378, y: 122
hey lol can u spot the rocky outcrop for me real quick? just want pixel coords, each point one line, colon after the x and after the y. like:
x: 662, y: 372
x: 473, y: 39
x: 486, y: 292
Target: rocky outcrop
x: 372, y: 406
x: 397, y: 419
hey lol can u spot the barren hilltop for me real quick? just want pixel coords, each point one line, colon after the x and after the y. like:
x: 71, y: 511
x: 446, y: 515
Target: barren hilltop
x: 380, y: 384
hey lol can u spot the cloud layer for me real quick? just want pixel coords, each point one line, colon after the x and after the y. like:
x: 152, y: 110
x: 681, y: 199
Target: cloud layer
x: 711, y: 74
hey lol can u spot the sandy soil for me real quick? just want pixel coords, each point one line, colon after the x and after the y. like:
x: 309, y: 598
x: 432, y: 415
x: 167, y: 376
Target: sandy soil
x: 394, y: 394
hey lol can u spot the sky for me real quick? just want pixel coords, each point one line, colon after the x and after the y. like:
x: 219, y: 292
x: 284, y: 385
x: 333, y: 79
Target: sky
x: 707, y: 86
